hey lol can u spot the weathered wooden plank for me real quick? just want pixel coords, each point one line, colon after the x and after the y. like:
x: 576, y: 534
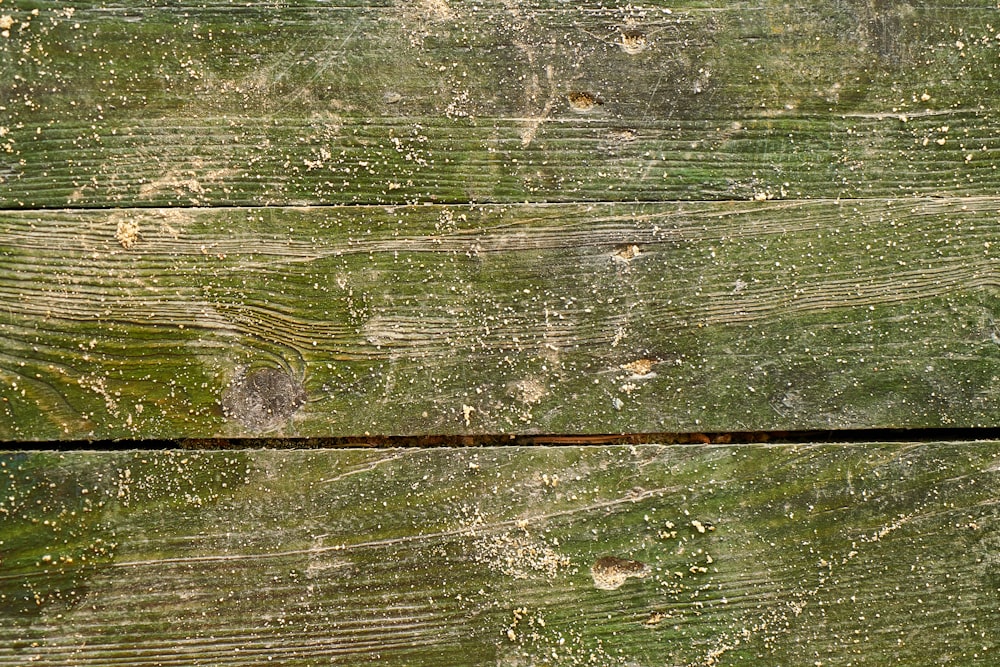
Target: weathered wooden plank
x: 140, y: 104
x: 496, y: 319
x: 782, y: 555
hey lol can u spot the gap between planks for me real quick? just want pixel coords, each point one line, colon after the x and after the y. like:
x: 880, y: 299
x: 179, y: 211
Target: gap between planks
x: 547, y: 203
x: 844, y: 437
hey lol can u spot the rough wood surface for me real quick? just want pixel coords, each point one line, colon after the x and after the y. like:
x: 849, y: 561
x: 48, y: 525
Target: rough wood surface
x: 497, y: 319
x: 634, y: 556
x: 420, y: 217
x: 255, y: 103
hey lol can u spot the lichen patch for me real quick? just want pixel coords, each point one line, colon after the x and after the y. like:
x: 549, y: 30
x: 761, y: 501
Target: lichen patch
x: 633, y: 42
x: 437, y: 10
x: 627, y: 253
x: 127, y: 233
x: 640, y: 367
x: 530, y: 391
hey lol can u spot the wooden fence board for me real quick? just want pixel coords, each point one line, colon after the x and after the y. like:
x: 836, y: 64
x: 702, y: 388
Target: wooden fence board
x: 429, y: 218
x: 422, y: 320
x: 647, y: 555
x: 219, y: 103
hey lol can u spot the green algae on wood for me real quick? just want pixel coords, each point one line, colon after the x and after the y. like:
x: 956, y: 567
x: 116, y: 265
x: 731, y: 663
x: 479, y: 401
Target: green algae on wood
x: 503, y: 556
x: 585, y: 318
x: 400, y: 102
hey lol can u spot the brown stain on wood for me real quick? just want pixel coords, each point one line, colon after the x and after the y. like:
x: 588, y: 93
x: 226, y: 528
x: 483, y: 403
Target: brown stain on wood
x: 582, y: 100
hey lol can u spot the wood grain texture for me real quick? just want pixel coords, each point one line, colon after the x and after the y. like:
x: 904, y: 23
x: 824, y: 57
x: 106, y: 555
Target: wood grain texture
x: 782, y: 555
x: 218, y: 103
x: 590, y: 318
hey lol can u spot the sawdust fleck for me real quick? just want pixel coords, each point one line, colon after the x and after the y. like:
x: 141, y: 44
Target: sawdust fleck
x: 519, y: 555
x: 702, y: 527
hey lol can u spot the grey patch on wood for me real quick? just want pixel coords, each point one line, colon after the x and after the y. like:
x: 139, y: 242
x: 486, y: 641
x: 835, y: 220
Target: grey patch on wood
x: 882, y: 29
x: 263, y: 400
